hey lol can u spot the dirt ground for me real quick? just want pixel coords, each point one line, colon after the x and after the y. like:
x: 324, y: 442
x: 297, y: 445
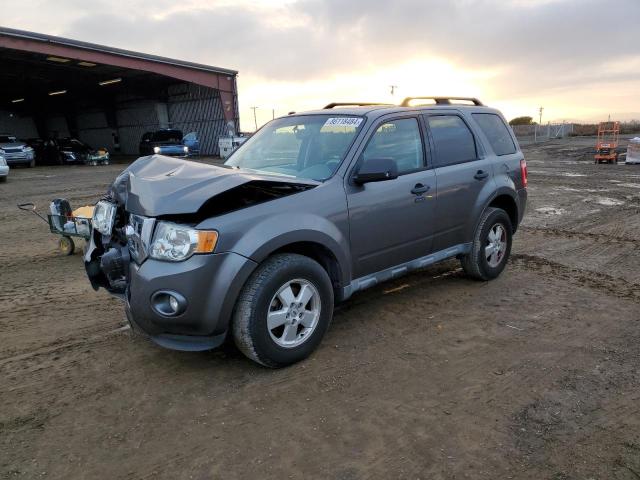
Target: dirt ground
x: 433, y: 376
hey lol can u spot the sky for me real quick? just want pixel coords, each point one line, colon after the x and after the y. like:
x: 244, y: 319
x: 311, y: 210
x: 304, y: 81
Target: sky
x: 579, y: 59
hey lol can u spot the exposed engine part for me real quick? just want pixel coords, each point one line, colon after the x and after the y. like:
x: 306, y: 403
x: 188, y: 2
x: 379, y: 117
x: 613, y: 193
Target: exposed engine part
x: 114, y: 263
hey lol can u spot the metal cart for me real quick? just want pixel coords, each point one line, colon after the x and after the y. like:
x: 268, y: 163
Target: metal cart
x: 67, y: 226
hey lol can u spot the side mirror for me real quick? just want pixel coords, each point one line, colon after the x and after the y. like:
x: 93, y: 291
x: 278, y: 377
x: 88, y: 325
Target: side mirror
x: 376, y: 170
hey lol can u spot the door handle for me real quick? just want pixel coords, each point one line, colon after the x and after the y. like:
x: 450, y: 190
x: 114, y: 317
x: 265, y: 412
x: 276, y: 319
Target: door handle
x: 481, y: 175
x: 419, y: 189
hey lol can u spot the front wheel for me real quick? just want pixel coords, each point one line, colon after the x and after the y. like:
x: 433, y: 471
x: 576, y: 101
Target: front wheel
x: 283, y: 310
x: 491, y: 246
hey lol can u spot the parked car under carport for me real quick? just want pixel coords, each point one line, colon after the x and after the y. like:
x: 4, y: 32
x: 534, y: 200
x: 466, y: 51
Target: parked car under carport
x: 71, y: 150
x: 16, y: 152
x: 4, y: 169
x: 170, y: 142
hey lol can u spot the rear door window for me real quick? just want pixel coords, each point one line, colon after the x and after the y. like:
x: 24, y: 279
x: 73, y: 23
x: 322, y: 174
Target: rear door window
x: 453, y: 141
x: 496, y: 132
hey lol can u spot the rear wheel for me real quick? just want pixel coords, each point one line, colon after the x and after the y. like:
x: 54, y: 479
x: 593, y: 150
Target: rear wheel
x: 66, y: 245
x: 283, y: 311
x: 491, y: 246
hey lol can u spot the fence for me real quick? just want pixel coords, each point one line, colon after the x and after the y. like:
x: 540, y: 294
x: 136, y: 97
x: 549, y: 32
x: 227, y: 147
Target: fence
x: 542, y: 133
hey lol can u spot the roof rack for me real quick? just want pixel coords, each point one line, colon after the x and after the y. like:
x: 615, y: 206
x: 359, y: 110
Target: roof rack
x: 354, y: 104
x: 442, y: 100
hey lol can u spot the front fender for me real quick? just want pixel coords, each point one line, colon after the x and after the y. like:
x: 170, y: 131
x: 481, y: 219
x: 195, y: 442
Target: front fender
x: 278, y: 231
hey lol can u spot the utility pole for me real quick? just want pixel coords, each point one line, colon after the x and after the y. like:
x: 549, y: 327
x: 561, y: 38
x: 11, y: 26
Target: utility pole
x: 393, y: 89
x: 541, y: 110
x: 255, y: 119
x: 273, y: 114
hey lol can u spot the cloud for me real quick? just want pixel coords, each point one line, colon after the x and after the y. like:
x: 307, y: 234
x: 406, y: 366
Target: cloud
x: 537, y: 42
x: 534, y: 45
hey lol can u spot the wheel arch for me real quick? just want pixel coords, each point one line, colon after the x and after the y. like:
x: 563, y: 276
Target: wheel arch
x: 507, y: 203
x: 321, y: 254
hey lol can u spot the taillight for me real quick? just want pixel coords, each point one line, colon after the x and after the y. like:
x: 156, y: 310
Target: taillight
x: 523, y: 172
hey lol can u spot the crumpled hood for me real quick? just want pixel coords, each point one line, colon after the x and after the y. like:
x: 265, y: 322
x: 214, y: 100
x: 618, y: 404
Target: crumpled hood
x: 157, y: 185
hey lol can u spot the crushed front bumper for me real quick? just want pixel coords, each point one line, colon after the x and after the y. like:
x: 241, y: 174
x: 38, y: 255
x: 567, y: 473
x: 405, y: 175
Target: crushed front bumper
x: 209, y: 284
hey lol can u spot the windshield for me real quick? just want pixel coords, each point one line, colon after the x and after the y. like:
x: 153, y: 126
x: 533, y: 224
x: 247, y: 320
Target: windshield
x: 73, y: 144
x: 7, y: 139
x: 169, y: 136
x: 310, y: 147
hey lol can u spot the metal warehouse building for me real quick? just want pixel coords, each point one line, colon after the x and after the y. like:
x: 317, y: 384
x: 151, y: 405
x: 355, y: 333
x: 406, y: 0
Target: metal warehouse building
x: 108, y: 97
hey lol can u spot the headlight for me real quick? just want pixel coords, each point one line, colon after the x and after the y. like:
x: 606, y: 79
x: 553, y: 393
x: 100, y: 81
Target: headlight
x: 174, y: 243
x: 70, y: 155
x: 186, y: 149
x: 156, y: 149
x: 103, y: 217
x: 26, y: 148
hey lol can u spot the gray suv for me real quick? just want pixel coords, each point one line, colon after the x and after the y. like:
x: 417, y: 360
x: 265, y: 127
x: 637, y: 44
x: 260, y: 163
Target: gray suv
x: 311, y: 209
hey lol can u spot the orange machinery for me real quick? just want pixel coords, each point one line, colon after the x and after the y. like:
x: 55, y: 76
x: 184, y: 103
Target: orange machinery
x: 607, y: 143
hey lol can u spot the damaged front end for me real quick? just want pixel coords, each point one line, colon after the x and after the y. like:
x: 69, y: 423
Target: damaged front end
x: 107, y: 254
x: 158, y: 194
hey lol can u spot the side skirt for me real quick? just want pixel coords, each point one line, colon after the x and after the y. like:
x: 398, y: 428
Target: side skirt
x: 374, y: 279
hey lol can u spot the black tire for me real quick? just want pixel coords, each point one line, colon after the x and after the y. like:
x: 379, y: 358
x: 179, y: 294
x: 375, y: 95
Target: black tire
x: 3, y: 179
x: 66, y: 245
x: 250, y: 332
x: 475, y: 263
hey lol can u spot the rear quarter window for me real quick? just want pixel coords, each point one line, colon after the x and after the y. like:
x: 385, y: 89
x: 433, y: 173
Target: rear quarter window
x: 496, y: 132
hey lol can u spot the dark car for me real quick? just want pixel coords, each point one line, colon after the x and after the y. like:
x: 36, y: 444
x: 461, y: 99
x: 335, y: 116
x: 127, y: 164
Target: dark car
x: 311, y: 209
x: 68, y: 150
x: 168, y: 142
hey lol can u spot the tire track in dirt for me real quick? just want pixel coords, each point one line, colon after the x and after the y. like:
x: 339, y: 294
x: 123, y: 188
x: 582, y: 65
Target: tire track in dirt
x: 613, y: 286
x: 570, y: 234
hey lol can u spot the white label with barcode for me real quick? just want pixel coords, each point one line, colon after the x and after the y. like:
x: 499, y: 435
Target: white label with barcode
x: 343, y: 122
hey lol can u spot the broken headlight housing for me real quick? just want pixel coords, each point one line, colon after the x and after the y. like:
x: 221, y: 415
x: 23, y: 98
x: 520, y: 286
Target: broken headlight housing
x: 104, y: 215
x: 174, y: 243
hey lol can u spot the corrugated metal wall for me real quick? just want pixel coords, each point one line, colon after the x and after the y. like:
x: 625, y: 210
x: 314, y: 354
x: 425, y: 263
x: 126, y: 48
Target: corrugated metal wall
x: 193, y: 108
x: 188, y: 107
x: 57, y: 126
x: 94, y: 130
x: 134, y: 119
x: 21, y: 127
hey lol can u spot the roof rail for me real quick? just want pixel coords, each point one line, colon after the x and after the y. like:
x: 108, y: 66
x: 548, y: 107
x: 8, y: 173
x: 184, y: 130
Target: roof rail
x: 441, y: 100
x: 354, y: 104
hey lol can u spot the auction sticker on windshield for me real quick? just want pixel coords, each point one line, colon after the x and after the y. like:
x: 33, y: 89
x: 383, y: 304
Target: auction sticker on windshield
x: 343, y: 122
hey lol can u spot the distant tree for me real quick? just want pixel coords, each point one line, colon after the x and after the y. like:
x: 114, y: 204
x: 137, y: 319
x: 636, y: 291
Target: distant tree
x: 522, y: 121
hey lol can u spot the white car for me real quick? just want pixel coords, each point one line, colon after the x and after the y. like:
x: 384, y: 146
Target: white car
x: 16, y: 152
x: 4, y: 169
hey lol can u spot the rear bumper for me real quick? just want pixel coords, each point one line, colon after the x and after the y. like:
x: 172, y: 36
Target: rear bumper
x: 210, y: 284
x: 522, y: 203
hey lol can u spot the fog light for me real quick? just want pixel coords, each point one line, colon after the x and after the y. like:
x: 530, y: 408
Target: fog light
x: 173, y: 303
x: 168, y: 303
